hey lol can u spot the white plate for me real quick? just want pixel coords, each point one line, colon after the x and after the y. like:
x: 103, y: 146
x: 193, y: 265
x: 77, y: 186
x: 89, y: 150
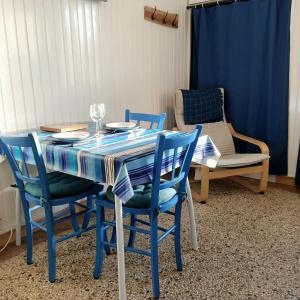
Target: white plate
x: 121, y: 125
x: 71, y: 136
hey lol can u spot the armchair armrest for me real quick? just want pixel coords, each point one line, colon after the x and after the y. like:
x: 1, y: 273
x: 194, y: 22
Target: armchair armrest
x: 262, y: 146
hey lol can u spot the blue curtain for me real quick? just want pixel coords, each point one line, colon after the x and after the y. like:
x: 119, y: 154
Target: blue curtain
x: 298, y: 169
x: 244, y: 47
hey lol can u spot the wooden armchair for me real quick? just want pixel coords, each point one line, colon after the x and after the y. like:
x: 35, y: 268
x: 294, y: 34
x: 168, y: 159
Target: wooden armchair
x: 230, y: 163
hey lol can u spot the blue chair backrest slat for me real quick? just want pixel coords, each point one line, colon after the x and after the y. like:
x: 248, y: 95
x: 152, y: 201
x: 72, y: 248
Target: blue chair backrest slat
x: 31, y: 142
x: 172, y: 182
x: 183, y: 140
x: 17, y: 141
x: 174, y: 162
x: 28, y: 178
x: 140, y: 117
x: 24, y: 164
x: 187, y: 143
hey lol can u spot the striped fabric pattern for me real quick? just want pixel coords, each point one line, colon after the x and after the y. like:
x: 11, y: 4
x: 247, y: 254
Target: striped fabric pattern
x: 122, y: 160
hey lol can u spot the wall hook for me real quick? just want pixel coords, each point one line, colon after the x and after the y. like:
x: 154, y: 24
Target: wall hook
x: 161, y: 17
x: 164, y: 20
x: 174, y: 21
x: 152, y: 17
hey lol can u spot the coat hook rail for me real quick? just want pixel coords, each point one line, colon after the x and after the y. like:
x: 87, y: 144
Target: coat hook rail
x: 161, y: 17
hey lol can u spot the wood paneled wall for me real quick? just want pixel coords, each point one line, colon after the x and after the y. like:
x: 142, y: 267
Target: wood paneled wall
x: 58, y: 56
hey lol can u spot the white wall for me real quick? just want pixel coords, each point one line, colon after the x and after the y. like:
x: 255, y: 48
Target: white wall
x: 294, y: 103
x: 58, y: 56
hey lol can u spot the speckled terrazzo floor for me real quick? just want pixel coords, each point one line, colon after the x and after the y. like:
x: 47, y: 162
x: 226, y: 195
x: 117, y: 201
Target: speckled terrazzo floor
x: 250, y: 248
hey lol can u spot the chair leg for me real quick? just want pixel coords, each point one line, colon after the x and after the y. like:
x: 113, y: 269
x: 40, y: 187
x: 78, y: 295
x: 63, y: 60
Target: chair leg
x: 87, y: 216
x: 264, y: 176
x: 154, y: 257
x: 51, y: 244
x: 106, y: 247
x: 75, y: 225
x: 177, y: 235
x: 113, y: 239
x: 204, y: 183
x: 29, y: 232
x: 99, y: 242
x: 132, y: 234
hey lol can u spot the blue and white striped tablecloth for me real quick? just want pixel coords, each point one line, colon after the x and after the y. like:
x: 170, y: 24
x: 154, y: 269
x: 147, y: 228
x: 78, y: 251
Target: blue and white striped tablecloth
x: 122, y: 160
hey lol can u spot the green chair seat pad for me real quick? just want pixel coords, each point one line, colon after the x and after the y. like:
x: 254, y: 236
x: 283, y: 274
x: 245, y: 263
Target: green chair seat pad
x: 142, y: 196
x: 60, y: 185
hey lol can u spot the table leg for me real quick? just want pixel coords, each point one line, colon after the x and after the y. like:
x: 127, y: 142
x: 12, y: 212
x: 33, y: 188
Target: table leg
x: 18, y: 213
x: 18, y: 218
x: 192, y: 216
x: 120, y: 249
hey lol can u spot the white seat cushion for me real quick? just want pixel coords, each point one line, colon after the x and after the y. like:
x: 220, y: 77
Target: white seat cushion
x: 218, y: 131
x: 239, y: 160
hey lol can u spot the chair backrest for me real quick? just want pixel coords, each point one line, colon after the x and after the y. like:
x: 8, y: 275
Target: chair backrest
x: 16, y: 148
x: 149, y: 118
x: 218, y: 131
x: 175, y: 151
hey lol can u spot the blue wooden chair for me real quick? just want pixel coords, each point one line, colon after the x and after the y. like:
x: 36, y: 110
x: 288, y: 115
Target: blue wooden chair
x: 46, y: 191
x: 152, y: 119
x: 152, y: 200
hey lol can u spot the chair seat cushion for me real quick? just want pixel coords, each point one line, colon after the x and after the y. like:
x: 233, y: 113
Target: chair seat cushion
x: 60, y: 185
x: 239, y: 160
x: 142, y: 196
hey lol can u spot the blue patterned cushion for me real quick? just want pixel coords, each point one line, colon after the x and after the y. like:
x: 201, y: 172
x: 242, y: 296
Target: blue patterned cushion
x: 60, y: 185
x: 202, y: 106
x: 142, y: 196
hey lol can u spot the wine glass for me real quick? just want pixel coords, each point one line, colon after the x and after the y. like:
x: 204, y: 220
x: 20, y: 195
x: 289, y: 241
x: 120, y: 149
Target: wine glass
x: 97, y: 114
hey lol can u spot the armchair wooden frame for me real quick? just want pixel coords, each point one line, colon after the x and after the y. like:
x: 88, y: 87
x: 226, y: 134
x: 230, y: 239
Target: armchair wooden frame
x: 262, y: 168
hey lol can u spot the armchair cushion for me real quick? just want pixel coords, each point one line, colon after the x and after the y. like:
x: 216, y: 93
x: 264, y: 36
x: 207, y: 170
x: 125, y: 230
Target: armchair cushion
x: 241, y: 160
x: 202, y: 106
x: 218, y: 131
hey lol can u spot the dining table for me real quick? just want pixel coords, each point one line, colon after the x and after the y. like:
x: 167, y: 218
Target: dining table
x: 122, y: 160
